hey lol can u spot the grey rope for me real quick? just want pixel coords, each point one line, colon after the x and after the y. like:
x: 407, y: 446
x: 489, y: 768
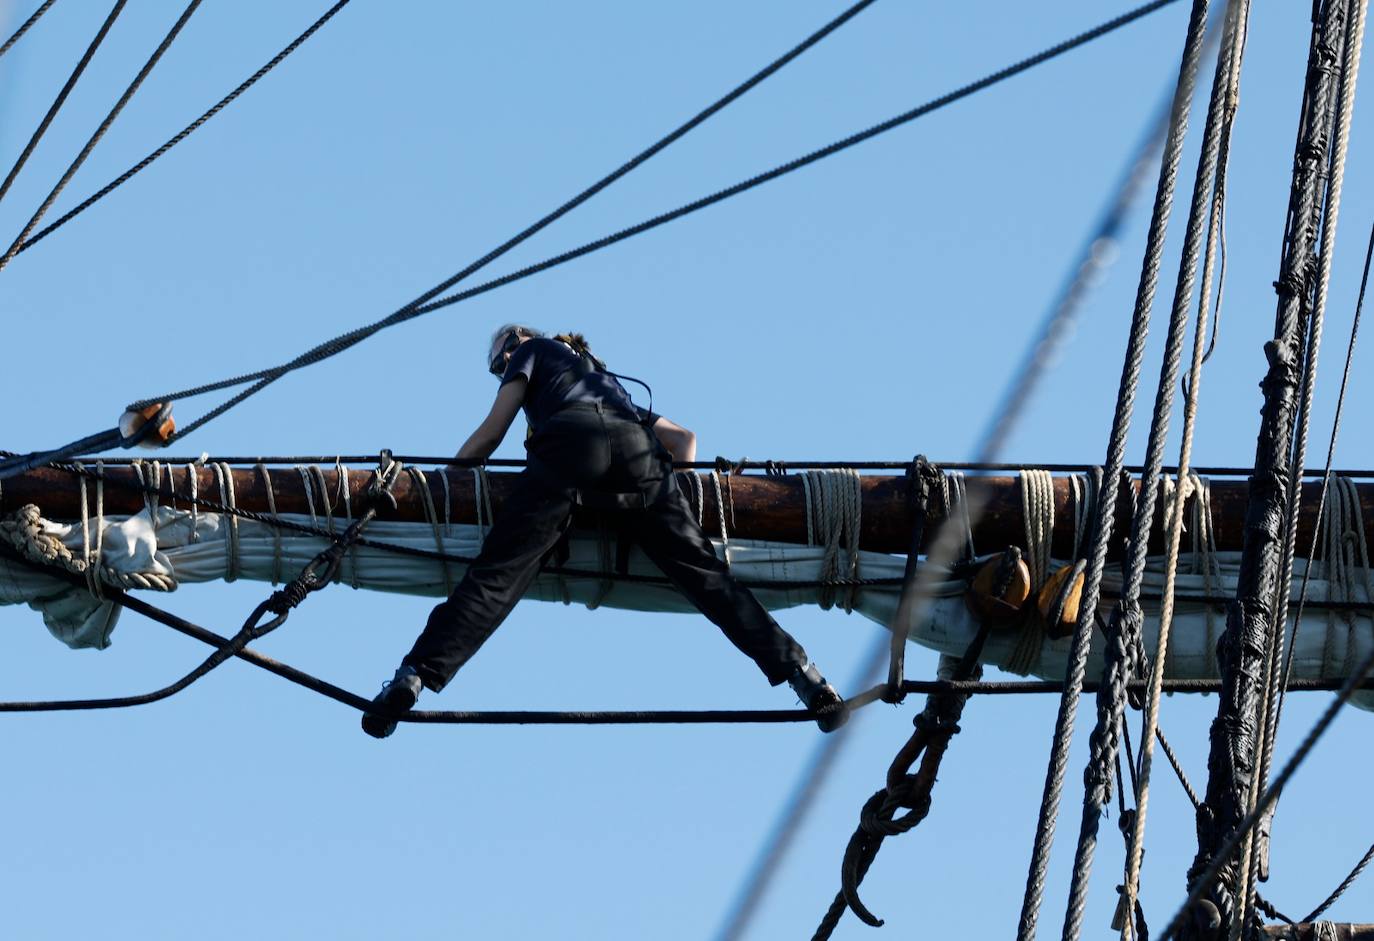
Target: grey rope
x: 25, y: 26
x: 99, y: 133
x: 181, y: 135
x: 1130, y: 377
x: 424, y: 304
x: 56, y: 106
x: 1123, y: 654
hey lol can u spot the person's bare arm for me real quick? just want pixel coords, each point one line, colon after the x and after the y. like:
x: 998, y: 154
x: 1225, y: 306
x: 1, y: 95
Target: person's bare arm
x: 488, y: 436
x: 681, y: 443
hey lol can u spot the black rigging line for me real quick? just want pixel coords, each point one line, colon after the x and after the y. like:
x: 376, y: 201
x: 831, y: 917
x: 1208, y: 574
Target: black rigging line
x: 56, y: 106
x: 424, y: 304
x: 344, y: 341
x: 100, y: 131
x: 236, y: 647
x: 184, y: 133
x: 18, y: 33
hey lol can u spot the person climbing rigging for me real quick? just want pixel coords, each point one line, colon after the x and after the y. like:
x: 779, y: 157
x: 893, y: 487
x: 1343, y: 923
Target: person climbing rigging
x: 591, y: 445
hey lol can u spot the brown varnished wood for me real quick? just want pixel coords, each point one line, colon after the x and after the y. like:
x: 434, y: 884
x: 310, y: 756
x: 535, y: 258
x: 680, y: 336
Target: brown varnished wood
x: 758, y: 506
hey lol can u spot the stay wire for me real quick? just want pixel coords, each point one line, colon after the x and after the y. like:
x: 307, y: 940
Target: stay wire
x: 56, y: 106
x: 424, y: 305
x: 407, y: 312
x: 181, y: 135
x: 24, y: 28
x: 99, y: 133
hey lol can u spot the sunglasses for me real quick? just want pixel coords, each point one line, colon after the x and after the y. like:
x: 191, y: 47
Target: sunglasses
x: 497, y: 366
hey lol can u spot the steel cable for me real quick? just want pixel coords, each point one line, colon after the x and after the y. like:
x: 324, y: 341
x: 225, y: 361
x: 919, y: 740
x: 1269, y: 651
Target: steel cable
x: 424, y: 305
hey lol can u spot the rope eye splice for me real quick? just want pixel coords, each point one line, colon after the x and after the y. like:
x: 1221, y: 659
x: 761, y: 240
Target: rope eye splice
x: 151, y: 426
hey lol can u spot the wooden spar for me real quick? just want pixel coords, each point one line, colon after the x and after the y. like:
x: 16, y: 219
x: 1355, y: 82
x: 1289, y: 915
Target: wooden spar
x: 766, y: 508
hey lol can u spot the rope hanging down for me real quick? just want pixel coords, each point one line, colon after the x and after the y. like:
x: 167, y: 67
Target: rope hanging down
x: 1237, y: 16
x: 25, y: 26
x: 426, y: 304
x: 181, y: 135
x: 1340, y: 123
x: 1107, y: 495
x: 1125, y: 624
x: 99, y: 133
x: 1248, y: 643
x: 56, y: 106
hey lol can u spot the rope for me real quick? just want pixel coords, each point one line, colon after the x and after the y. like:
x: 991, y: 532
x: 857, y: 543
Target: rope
x: 432, y: 517
x: 1219, y: 860
x: 1250, y: 642
x: 1349, y: 76
x: 1123, y: 652
x: 99, y: 131
x: 225, y: 478
x: 424, y: 304
x: 1345, y: 884
x: 344, y: 341
x: 181, y: 135
x: 1037, y: 514
x: 261, y: 468
x: 1225, y: 97
x: 834, y: 518
x: 56, y: 106
x: 1130, y: 377
x: 24, y: 28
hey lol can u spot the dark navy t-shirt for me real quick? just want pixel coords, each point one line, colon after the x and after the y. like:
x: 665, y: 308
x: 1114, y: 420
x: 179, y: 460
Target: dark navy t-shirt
x: 543, y: 362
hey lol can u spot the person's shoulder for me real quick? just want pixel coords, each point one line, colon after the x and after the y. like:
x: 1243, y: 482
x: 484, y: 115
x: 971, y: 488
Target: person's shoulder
x: 543, y: 345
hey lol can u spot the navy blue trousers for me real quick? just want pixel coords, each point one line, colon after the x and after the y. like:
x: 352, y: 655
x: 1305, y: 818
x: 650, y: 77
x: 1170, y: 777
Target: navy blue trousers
x: 585, y: 450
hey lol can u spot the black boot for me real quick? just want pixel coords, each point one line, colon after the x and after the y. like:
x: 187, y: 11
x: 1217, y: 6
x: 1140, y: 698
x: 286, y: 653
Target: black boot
x: 819, y: 697
x: 399, y: 694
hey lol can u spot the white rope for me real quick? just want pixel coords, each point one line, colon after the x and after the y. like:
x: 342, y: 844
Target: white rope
x: 194, y: 487
x: 309, y: 489
x: 92, y: 560
x: 427, y: 501
x: 1037, y: 515
x: 448, y: 502
x: 225, y: 477
x: 261, y: 468
x: 326, y: 505
x: 959, y: 493
x: 346, y: 492
x: 720, y: 510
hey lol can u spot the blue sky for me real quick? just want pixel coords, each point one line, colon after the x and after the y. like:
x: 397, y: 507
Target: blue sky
x: 868, y: 307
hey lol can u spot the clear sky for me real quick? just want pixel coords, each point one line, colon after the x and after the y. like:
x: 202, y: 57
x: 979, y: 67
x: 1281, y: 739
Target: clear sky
x: 868, y: 307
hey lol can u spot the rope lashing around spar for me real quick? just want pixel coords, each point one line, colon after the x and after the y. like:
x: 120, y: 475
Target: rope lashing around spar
x: 1037, y: 513
x: 834, y: 519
